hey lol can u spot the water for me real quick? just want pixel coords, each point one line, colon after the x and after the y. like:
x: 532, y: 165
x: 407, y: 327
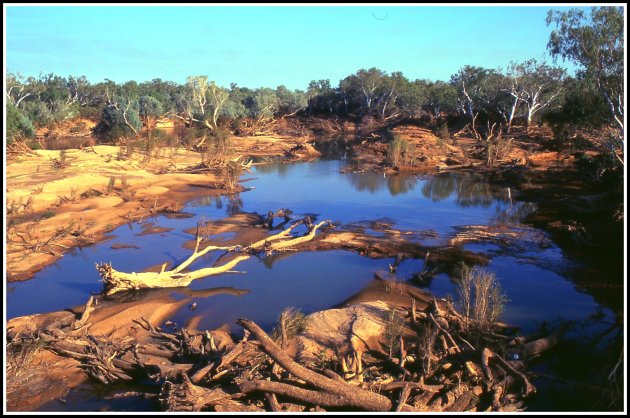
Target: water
x: 530, y: 267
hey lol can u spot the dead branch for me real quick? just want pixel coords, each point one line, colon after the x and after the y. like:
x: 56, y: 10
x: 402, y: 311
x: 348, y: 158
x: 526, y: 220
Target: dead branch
x: 343, y: 393
x: 116, y: 281
x: 188, y: 397
x: 488, y: 355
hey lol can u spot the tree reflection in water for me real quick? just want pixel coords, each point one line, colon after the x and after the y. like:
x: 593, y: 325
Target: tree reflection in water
x: 280, y: 168
x: 234, y: 204
x: 470, y: 190
x: 374, y: 182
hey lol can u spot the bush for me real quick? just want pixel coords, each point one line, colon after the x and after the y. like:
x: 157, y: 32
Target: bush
x: 221, y: 141
x: 481, y: 297
x: 17, y: 123
x: 192, y: 135
x: 442, y: 131
x: 290, y: 323
x: 112, y: 124
x: 397, y: 151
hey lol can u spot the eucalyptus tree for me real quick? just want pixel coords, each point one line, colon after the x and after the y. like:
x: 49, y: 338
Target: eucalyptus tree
x: 17, y: 123
x: 290, y: 102
x: 594, y: 41
x: 538, y: 86
x: 149, y: 110
x: 412, y: 97
x: 321, y: 96
x: 473, y: 88
x: 18, y: 87
x: 441, y: 97
x: 363, y: 88
x: 204, y: 102
x: 389, y: 89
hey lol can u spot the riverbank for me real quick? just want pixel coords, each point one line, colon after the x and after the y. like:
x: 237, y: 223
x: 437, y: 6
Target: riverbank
x: 372, y: 239
x: 57, y: 200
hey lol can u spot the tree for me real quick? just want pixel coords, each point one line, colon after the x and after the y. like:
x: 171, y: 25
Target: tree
x: 442, y: 97
x: 19, y: 88
x: 17, y: 123
x: 120, y: 117
x: 204, y: 101
x: 321, y: 96
x: 473, y: 89
x: 363, y: 88
x: 413, y: 97
x: 538, y: 85
x: 235, y: 106
x: 265, y: 104
x: 388, y: 91
x: 290, y: 102
x: 595, y: 42
x: 149, y: 109
x: 217, y: 97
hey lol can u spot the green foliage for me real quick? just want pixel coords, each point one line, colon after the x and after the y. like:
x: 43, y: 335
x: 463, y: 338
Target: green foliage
x: 292, y: 321
x: 595, y: 42
x: 582, y: 106
x: 397, y: 151
x: 290, y: 101
x: 149, y: 107
x: 17, y: 123
x: 265, y: 103
x: 119, y: 119
x: 442, y: 97
x: 39, y: 113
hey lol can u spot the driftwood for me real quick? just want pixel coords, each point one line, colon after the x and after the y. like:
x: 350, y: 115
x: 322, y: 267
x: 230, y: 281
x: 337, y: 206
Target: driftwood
x: 204, y: 370
x: 488, y: 355
x: 335, y: 393
x: 188, y: 397
x: 115, y: 281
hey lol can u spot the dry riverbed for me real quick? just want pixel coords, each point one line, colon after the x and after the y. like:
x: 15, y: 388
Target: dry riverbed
x: 59, y: 199
x: 56, y: 201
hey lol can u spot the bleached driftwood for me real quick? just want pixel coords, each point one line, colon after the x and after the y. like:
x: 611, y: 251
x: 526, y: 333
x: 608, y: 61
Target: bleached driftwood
x: 115, y: 281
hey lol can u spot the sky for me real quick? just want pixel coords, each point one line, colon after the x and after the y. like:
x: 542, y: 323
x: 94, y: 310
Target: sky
x: 269, y: 46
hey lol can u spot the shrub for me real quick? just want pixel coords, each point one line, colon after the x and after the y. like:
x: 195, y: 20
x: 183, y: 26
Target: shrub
x: 290, y: 323
x: 17, y: 123
x: 397, y: 151
x: 481, y: 297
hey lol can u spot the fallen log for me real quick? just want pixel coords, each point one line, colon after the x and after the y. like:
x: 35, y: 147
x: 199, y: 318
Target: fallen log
x: 335, y: 393
x: 116, y: 281
x: 488, y: 355
x: 188, y: 397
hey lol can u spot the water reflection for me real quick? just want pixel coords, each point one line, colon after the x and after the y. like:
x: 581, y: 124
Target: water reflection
x: 70, y: 142
x: 468, y: 189
x: 373, y: 182
x: 279, y: 168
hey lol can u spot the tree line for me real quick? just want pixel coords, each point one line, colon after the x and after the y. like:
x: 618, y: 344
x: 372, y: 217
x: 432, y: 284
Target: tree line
x: 523, y: 91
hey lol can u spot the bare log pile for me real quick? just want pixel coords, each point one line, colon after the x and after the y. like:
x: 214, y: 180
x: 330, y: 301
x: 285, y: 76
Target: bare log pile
x: 116, y: 281
x: 18, y: 148
x: 435, y: 368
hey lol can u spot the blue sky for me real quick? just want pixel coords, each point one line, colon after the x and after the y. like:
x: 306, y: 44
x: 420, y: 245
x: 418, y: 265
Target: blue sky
x: 268, y: 46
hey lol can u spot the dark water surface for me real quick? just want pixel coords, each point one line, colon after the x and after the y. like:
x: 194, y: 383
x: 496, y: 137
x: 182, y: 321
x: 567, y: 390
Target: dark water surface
x: 531, y: 268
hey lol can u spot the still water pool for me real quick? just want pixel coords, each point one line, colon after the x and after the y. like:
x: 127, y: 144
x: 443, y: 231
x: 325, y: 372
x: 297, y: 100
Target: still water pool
x: 531, y: 267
